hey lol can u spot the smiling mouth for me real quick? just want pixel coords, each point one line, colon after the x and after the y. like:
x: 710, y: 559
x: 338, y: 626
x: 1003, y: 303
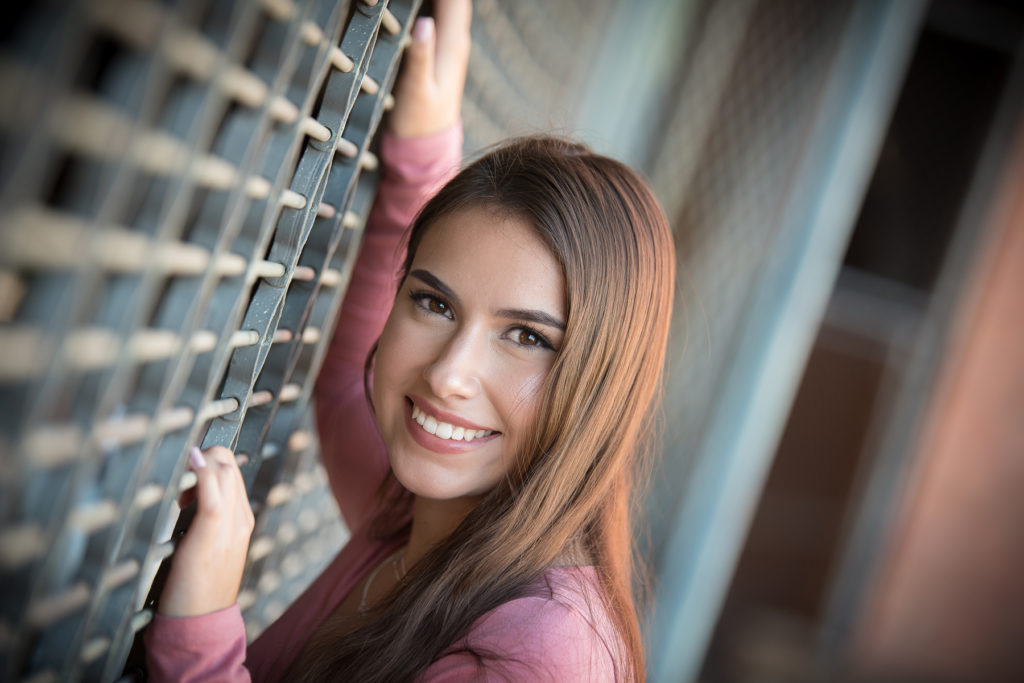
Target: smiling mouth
x: 445, y: 430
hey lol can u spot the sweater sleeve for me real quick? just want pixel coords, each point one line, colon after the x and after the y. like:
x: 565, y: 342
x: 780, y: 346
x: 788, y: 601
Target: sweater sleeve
x: 210, y: 647
x: 352, y: 451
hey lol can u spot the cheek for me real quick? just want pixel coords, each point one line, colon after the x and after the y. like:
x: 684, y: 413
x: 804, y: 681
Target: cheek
x: 387, y: 364
x: 402, y: 354
x: 522, y: 401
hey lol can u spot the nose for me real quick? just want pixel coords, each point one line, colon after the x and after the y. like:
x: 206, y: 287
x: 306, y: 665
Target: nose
x: 456, y: 369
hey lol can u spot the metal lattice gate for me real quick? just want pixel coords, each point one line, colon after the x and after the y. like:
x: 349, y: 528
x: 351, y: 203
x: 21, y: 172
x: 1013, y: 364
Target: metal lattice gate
x: 182, y: 188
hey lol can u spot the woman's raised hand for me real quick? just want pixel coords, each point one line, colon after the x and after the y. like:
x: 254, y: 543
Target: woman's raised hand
x: 206, y: 571
x: 428, y: 95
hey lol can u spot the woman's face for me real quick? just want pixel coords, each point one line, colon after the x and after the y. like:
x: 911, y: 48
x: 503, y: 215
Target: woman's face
x: 473, y: 333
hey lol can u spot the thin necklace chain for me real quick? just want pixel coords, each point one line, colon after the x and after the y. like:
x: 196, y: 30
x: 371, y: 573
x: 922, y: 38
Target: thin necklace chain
x: 397, y: 566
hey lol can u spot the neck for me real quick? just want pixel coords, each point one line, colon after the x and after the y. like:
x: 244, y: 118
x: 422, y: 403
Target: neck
x: 432, y: 522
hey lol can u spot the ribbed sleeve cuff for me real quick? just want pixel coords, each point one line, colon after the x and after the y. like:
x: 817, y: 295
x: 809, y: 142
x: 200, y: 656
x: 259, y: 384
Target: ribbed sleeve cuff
x: 207, y: 647
x: 201, y: 631
x: 424, y: 158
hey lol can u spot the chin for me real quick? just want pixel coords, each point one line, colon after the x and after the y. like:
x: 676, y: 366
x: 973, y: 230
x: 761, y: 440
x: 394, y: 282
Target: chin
x: 428, y: 480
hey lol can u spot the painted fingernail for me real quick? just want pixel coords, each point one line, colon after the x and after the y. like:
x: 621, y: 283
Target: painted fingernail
x: 423, y: 29
x: 196, y: 456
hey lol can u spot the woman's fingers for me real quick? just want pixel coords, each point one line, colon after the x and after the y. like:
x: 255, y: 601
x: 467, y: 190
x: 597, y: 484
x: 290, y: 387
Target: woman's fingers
x: 209, y: 472
x: 419, y: 56
x: 428, y: 94
x: 207, y: 566
x: 453, y: 18
x: 218, y: 454
x: 197, y: 462
x: 220, y: 486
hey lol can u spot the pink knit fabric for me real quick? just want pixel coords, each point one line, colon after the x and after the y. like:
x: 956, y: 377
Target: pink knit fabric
x: 564, y: 635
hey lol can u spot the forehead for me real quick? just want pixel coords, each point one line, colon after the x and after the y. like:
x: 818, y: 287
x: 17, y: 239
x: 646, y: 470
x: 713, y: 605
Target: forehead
x: 482, y: 251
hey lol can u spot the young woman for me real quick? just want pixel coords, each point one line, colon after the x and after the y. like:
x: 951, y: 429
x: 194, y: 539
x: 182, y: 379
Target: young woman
x: 513, y: 384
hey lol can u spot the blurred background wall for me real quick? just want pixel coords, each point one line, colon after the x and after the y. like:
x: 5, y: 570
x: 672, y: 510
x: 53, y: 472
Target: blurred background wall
x: 182, y: 186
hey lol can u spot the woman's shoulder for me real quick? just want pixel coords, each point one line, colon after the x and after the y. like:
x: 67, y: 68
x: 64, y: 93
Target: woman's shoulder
x: 559, y: 630
x: 564, y: 601
x: 574, y: 592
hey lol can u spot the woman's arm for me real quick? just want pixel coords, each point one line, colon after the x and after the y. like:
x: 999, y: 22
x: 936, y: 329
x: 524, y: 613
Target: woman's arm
x: 421, y: 149
x: 198, y: 633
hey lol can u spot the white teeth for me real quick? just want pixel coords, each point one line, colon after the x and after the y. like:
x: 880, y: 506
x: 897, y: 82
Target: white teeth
x: 419, y: 415
x: 445, y: 430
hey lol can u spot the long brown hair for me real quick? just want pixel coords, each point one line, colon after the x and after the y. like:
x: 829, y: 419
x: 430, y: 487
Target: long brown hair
x: 572, y: 489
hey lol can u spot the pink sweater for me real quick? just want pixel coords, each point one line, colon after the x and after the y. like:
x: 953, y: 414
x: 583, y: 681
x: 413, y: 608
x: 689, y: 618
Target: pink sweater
x: 563, y: 636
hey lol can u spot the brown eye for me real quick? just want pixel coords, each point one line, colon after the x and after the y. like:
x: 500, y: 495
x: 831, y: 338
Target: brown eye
x: 430, y: 303
x: 528, y: 338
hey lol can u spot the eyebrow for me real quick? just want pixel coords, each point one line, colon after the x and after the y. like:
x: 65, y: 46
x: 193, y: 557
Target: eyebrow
x: 525, y: 314
x: 432, y: 280
x: 539, y: 317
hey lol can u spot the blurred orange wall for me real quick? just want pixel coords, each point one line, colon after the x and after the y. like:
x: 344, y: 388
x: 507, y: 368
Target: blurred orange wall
x: 948, y: 603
